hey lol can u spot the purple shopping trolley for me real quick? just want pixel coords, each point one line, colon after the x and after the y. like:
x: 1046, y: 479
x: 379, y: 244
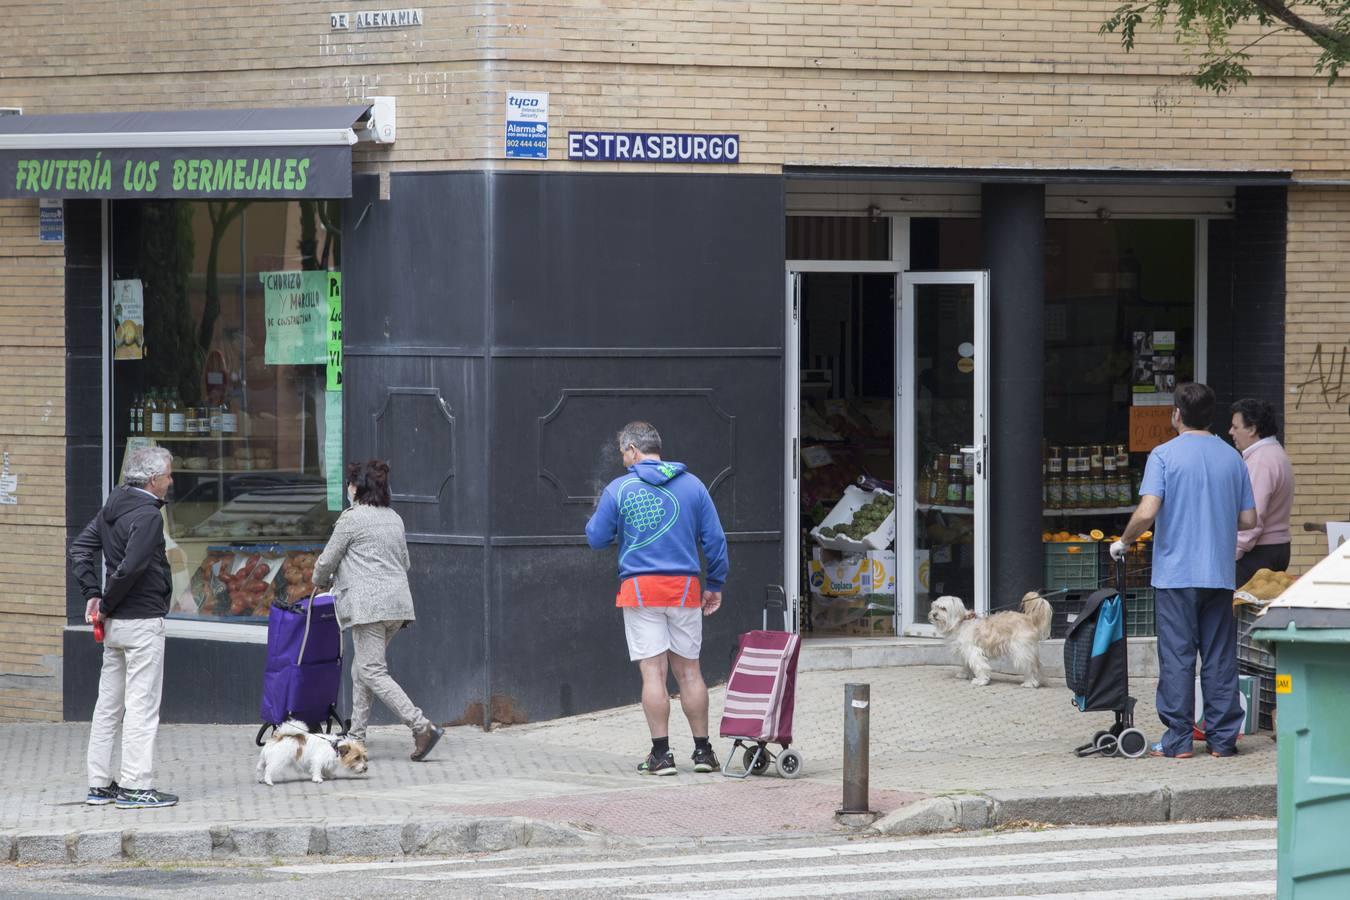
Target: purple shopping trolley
x: 304, y: 665
x: 761, y: 695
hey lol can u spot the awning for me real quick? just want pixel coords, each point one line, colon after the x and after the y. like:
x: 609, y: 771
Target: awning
x: 205, y: 153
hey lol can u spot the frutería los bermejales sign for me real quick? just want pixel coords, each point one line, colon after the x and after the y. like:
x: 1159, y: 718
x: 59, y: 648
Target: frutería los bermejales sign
x: 178, y: 172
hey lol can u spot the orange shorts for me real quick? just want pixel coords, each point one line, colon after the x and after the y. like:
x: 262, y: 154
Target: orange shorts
x: 660, y: 590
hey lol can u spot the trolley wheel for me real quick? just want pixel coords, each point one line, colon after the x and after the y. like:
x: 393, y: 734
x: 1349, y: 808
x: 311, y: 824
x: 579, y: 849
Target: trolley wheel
x: 790, y: 764
x: 262, y: 732
x: 1107, y: 744
x: 761, y: 765
x: 1132, y: 743
x: 1098, y: 736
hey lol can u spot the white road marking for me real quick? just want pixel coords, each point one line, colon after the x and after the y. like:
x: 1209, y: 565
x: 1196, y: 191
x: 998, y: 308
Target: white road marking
x: 1169, y: 892
x: 837, y: 851
x: 950, y: 881
x: 947, y: 864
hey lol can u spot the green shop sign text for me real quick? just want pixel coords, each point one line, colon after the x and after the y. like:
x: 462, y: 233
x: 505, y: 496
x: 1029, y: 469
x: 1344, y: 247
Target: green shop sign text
x: 203, y: 175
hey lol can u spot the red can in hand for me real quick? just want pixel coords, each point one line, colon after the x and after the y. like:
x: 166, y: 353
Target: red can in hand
x: 98, y: 630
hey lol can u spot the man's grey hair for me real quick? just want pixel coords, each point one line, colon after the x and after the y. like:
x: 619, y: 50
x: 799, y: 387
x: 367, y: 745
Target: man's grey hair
x: 145, y: 464
x: 641, y: 436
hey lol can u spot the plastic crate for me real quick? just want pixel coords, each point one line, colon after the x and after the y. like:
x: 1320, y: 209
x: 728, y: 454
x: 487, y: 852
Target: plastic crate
x: 1259, y: 653
x: 1064, y: 612
x: 1140, y: 618
x: 1265, y: 691
x: 1072, y: 564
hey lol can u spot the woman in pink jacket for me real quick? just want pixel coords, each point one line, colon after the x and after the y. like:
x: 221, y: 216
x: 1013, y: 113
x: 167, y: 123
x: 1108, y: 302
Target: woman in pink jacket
x: 1267, y: 545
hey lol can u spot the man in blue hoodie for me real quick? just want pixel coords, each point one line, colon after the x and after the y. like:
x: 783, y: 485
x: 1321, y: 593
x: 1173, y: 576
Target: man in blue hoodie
x: 661, y: 515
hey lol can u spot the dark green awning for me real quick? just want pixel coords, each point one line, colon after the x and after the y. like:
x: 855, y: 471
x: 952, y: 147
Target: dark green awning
x: 209, y: 153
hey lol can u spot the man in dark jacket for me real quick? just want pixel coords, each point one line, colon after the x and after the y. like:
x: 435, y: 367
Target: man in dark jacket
x: 131, y: 606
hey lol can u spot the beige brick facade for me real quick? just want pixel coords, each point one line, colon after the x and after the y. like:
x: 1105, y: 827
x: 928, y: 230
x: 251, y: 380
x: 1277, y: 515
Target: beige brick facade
x: 32, y: 441
x: 1317, y: 363
x: 968, y: 83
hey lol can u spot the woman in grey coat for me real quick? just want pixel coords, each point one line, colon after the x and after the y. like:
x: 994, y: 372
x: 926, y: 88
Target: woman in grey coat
x: 366, y: 563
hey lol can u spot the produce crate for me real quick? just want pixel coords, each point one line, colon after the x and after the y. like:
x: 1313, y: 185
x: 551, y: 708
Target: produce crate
x: 1065, y: 609
x: 1265, y: 692
x: 1260, y: 653
x: 1072, y: 564
x: 1140, y: 618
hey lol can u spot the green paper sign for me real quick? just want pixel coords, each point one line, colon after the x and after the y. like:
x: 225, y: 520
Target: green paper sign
x: 296, y: 317
x: 334, y: 346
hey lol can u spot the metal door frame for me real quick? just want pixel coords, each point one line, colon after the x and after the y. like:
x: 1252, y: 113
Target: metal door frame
x: 905, y: 450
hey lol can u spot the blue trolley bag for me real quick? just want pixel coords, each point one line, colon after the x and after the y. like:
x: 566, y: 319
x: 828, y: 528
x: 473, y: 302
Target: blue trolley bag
x: 1096, y: 666
x: 304, y: 665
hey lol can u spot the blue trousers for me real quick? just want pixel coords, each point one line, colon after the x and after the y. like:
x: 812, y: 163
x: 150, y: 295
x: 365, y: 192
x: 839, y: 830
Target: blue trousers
x: 1192, y: 620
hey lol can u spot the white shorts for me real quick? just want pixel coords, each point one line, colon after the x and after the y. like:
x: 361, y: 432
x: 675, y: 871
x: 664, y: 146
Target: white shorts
x: 652, y: 630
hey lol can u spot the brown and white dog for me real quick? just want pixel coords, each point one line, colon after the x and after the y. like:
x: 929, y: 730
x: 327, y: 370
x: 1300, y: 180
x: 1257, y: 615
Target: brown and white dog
x: 1010, y: 636
x: 292, y: 747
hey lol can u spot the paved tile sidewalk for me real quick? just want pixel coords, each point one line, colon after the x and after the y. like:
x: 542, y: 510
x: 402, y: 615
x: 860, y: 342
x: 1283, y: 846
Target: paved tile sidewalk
x: 931, y: 733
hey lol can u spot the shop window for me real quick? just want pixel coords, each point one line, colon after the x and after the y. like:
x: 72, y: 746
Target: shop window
x: 220, y: 347
x: 839, y: 237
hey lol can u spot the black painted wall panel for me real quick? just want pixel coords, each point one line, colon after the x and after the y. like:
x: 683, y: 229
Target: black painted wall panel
x: 613, y: 260
x: 1246, y: 301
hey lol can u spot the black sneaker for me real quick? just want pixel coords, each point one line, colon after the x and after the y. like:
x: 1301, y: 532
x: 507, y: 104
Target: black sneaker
x: 103, y: 796
x: 658, y: 765
x: 147, y: 799
x: 705, y: 760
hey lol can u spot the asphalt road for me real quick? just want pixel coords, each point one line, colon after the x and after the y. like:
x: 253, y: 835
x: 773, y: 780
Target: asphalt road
x: 1211, y: 859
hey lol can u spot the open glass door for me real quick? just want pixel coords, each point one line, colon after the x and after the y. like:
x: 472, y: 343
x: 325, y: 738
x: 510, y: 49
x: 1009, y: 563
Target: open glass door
x: 942, y: 358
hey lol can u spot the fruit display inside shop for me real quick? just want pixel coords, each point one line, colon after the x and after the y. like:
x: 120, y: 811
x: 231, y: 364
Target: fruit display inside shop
x: 865, y: 520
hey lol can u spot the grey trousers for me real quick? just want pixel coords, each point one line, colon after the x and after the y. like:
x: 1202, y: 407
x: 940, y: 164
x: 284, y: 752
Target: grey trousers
x: 371, y: 678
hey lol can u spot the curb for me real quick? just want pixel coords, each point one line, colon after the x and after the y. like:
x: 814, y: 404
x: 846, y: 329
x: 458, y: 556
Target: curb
x: 1133, y: 805
x: 394, y: 839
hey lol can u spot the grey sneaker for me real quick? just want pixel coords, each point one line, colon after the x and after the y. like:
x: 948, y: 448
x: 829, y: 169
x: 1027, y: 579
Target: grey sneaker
x: 658, y: 765
x: 147, y: 799
x: 103, y: 796
x: 706, y: 761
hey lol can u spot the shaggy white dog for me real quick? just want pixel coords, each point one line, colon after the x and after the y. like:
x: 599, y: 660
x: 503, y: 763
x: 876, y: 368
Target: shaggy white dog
x: 1010, y: 636
x: 292, y: 748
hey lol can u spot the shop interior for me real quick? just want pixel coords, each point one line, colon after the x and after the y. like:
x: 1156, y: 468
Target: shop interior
x: 1120, y: 313
x: 219, y: 316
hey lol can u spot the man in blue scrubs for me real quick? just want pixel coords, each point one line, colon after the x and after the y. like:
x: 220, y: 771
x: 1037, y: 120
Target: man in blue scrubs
x: 1197, y: 489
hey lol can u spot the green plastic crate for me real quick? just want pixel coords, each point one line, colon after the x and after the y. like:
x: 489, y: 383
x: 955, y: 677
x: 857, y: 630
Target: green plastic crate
x: 1072, y: 565
x: 1140, y: 617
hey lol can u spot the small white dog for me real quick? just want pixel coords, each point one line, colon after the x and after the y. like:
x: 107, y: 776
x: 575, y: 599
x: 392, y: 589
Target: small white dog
x: 1010, y: 636
x: 316, y: 755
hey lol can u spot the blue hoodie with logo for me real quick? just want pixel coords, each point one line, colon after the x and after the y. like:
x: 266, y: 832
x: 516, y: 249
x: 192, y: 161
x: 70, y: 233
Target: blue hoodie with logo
x: 661, y: 515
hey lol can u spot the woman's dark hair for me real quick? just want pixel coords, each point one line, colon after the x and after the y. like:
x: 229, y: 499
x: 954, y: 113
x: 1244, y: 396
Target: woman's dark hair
x: 372, y: 481
x: 1196, y: 403
x: 1258, y: 414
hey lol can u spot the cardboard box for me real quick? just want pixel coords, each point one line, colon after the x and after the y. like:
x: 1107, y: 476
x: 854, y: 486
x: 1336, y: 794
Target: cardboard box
x: 854, y: 499
x: 836, y: 574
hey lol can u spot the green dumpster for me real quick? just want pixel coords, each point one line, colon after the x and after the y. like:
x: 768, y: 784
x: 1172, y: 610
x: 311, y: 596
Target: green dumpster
x: 1310, y: 625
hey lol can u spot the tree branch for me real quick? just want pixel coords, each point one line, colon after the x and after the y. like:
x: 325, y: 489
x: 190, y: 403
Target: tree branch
x: 1326, y: 38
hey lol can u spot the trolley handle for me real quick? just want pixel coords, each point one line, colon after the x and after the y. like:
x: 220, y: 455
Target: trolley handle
x: 775, y: 598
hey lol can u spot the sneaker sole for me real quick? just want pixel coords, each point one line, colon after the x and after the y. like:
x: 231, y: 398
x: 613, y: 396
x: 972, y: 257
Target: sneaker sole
x: 98, y: 802
x: 704, y: 768
x: 146, y: 805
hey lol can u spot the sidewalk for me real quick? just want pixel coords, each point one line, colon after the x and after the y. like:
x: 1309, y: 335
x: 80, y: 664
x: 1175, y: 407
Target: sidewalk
x: 943, y: 755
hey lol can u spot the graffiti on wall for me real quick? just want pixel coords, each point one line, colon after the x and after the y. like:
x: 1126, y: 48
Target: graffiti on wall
x: 1325, y: 377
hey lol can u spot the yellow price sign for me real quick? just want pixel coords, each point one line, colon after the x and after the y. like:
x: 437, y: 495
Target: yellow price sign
x: 1284, y: 684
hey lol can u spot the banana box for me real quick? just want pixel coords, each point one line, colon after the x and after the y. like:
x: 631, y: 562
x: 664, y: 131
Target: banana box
x: 836, y: 574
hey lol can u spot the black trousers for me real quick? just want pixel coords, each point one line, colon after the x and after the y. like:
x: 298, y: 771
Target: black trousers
x: 1263, y: 556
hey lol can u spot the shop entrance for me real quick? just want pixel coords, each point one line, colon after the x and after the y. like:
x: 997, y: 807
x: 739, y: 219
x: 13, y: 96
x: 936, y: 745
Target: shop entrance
x: 887, y: 492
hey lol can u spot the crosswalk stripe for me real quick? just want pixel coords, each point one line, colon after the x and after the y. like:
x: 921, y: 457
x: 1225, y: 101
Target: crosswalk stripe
x: 951, y: 863
x: 1169, y: 892
x: 836, y: 851
x: 952, y: 881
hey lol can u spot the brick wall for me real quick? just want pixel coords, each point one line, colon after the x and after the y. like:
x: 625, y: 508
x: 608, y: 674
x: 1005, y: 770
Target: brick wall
x: 1317, y: 363
x: 969, y: 83
x: 32, y: 435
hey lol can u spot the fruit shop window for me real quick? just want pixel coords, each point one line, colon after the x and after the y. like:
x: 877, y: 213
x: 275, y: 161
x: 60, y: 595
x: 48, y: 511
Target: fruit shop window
x: 221, y: 322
